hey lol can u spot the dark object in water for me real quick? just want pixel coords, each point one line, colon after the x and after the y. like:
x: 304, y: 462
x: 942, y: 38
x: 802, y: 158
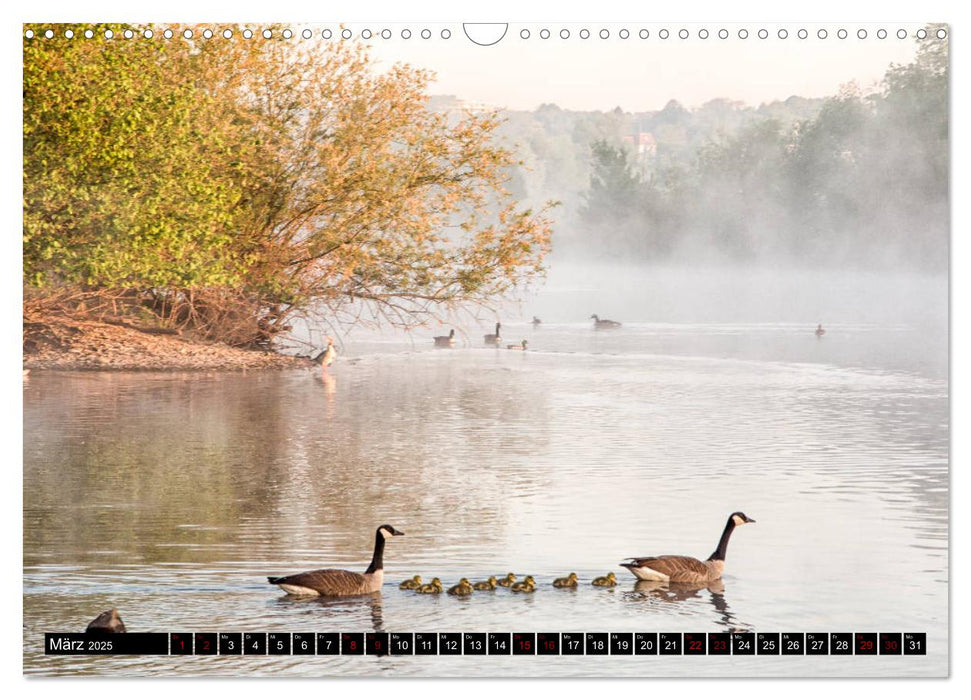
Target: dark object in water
x: 536, y: 321
x: 820, y: 331
x: 604, y: 323
x: 107, y: 622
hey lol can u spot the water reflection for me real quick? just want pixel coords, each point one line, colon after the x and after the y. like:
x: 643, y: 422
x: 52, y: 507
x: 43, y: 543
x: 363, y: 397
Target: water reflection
x: 676, y: 594
x: 335, y: 611
x: 167, y: 495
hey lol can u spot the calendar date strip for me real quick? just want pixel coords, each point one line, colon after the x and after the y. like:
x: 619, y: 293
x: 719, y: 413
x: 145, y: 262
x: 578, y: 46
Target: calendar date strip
x: 488, y: 644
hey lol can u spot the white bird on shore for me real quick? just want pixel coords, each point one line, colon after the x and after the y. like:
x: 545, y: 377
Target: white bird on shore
x: 327, y: 357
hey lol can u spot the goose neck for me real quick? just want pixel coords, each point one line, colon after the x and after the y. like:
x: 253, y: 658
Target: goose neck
x: 377, y: 561
x: 720, y: 551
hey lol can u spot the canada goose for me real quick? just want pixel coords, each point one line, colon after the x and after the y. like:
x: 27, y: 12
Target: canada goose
x: 327, y: 357
x: 107, y: 622
x: 820, y: 331
x: 527, y: 585
x: 508, y: 580
x: 601, y: 324
x: 520, y: 346
x: 489, y: 585
x: 608, y: 581
x: 567, y: 582
x: 536, y: 322
x: 434, y: 587
x: 463, y: 587
x: 673, y: 567
x: 445, y: 341
x: 493, y: 338
x: 411, y: 584
x: 339, y: 581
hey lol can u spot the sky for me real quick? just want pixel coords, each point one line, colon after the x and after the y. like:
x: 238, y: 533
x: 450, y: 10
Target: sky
x: 642, y: 74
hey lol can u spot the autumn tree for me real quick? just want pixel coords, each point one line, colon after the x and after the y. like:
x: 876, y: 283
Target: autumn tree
x: 237, y: 184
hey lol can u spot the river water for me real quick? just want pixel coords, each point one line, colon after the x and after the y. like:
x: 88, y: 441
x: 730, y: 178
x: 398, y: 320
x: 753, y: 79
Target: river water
x: 172, y: 496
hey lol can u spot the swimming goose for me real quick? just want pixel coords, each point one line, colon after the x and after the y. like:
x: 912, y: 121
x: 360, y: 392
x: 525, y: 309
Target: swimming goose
x: 508, y: 580
x: 608, y: 581
x: 434, y: 587
x: 681, y: 569
x: 338, y: 581
x: 463, y: 587
x: 520, y: 346
x: 527, y: 585
x: 493, y: 338
x: 411, y: 584
x: 566, y: 582
x: 536, y: 322
x: 108, y: 622
x: 601, y: 324
x: 327, y: 357
x: 489, y: 585
x: 820, y: 331
x: 445, y: 341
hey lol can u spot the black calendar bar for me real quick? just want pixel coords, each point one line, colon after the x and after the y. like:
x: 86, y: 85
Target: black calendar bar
x: 628, y: 644
x: 82, y: 644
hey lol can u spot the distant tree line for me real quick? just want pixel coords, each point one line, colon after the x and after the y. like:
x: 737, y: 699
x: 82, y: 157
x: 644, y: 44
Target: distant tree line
x: 227, y: 186
x: 862, y: 182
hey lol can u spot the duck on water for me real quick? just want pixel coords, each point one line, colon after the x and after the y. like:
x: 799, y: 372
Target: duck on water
x: 604, y: 323
x: 338, y: 582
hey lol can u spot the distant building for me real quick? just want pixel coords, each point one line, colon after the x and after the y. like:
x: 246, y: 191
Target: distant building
x: 642, y: 142
x: 646, y: 145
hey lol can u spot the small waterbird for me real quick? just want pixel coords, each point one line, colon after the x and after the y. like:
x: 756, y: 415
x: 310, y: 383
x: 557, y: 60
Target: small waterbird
x: 603, y: 323
x: 820, y: 331
x: 536, y: 321
x: 527, y: 585
x: 608, y: 581
x: 326, y: 358
x: 566, y: 582
x: 520, y: 346
x: 411, y: 584
x: 435, y: 587
x: 489, y: 585
x: 508, y: 580
x: 463, y: 587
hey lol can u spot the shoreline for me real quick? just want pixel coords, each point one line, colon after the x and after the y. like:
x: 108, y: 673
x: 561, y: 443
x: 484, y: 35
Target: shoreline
x: 69, y: 344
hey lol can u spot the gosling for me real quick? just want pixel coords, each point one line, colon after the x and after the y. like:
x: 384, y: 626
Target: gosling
x: 411, y: 584
x: 527, y: 585
x: 489, y: 585
x: 608, y: 581
x: 567, y: 582
x: 463, y: 587
x: 434, y: 587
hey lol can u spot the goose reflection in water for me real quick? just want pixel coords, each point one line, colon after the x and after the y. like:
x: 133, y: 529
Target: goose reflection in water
x: 341, y: 608
x: 673, y: 593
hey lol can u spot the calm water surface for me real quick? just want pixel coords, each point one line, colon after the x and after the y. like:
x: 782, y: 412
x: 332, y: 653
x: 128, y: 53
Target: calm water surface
x: 172, y: 496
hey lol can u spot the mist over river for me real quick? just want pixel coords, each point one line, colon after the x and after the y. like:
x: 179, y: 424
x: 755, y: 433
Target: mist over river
x: 171, y: 496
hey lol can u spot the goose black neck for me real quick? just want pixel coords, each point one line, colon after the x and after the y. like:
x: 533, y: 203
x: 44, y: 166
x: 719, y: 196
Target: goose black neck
x: 719, y: 553
x: 377, y: 561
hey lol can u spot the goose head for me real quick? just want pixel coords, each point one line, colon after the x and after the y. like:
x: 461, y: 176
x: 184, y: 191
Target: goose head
x: 739, y: 518
x: 387, y: 531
